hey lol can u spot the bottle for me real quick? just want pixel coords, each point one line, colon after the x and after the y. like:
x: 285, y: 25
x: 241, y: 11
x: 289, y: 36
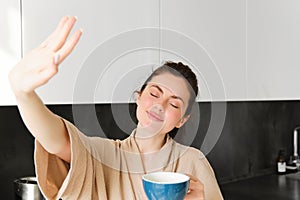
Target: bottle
x: 281, y: 163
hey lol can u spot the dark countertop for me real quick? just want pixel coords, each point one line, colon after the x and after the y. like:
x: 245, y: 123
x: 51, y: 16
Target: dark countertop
x: 274, y: 187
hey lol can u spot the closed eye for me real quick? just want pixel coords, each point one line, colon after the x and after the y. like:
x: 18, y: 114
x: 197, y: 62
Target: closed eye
x: 155, y: 92
x: 174, y: 106
x: 154, y: 95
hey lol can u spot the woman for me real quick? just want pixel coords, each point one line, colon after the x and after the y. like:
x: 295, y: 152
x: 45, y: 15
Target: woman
x: 70, y: 165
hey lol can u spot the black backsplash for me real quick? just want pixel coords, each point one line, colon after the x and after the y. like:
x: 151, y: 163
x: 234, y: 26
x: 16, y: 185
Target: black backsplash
x: 251, y: 137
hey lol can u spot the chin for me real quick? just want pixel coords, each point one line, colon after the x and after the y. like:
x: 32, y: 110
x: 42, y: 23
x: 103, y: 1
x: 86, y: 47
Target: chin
x: 150, y: 129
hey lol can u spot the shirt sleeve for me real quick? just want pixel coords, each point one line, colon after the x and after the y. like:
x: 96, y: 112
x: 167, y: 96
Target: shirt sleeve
x: 58, y: 179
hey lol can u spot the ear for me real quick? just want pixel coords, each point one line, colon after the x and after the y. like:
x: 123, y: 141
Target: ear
x: 182, y: 121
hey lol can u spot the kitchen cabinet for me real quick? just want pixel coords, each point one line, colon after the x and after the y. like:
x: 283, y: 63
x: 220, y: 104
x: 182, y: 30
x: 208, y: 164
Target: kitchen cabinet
x: 217, y: 30
x: 240, y: 50
x: 10, y: 45
x: 108, y: 64
x: 273, y: 44
x: 253, y: 46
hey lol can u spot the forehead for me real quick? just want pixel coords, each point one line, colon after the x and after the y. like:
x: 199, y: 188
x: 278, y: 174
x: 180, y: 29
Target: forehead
x: 174, y: 84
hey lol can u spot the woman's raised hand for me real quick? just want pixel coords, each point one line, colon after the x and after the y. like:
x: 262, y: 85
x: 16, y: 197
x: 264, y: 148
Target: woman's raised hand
x: 41, y: 64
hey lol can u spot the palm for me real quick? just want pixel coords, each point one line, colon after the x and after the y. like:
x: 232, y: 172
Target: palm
x: 41, y: 64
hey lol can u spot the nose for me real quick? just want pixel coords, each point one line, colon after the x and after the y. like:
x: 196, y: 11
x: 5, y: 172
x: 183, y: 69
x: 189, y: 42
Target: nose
x: 158, y: 107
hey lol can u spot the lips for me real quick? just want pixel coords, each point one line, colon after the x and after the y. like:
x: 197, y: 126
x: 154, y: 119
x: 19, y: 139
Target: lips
x: 155, y: 117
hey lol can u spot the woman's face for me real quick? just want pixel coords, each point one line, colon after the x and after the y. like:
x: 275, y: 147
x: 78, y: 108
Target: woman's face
x: 162, y: 104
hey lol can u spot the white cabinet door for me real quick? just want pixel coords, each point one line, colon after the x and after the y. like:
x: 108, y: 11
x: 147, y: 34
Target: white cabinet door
x: 113, y: 56
x: 241, y: 50
x: 273, y: 49
x: 211, y: 38
x: 10, y: 46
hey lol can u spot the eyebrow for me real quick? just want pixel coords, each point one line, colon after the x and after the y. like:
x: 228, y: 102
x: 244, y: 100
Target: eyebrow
x: 173, y: 96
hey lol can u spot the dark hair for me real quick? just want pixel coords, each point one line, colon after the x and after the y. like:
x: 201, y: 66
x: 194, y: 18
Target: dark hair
x: 179, y: 70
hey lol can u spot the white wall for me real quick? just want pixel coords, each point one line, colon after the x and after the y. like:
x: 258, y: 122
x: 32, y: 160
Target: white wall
x: 241, y: 50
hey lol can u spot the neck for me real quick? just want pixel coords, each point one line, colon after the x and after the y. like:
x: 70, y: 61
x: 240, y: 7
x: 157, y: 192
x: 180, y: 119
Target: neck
x: 149, y: 143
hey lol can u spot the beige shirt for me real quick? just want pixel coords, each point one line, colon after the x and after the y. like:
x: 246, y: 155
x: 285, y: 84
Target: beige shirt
x: 112, y: 169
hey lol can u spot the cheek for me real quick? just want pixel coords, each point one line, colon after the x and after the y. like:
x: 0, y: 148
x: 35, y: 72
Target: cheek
x: 174, y: 115
x: 145, y: 102
x: 142, y: 105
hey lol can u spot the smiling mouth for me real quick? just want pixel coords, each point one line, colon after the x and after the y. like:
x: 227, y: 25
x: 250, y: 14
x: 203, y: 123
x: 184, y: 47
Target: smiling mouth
x: 154, y: 117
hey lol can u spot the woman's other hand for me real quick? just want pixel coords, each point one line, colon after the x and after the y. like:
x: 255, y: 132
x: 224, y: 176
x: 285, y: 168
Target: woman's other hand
x: 196, y: 189
x: 41, y: 63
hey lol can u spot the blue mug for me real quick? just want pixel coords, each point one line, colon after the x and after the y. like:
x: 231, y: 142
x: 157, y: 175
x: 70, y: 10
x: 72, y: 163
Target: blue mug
x: 166, y: 185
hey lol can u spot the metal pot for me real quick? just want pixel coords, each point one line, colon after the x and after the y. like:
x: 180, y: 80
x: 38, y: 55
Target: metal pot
x: 26, y: 188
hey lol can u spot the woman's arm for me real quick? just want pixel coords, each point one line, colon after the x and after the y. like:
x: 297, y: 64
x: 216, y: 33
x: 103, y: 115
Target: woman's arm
x: 35, y: 70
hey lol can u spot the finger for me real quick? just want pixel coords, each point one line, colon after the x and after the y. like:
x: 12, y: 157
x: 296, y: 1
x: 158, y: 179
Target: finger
x: 195, y: 191
x: 68, y: 46
x: 59, y: 27
x: 193, y: 178
x: 60, y: 37
x: 196, y: 185
x: 56, y: 59
x: 62, y: 23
